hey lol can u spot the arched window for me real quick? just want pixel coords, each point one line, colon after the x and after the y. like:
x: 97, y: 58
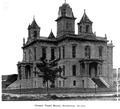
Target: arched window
x: 52, y: 53
x: 35, y: 34
x: 63, y: 51
x: 27, y: 71
x: 63, y: 12
x: 74, y: 83
x: 44, y: 52
x: 100, y: 51
x: 74, y: 70
x: 35, y: 53
x: 73, y: 51
x: 87, y: 52
x: 80, y: 28
x: 87, y: 28
x: 30, y: 54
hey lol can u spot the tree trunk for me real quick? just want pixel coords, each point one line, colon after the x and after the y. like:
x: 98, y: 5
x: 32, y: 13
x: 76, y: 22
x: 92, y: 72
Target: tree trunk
x: 47, y: 88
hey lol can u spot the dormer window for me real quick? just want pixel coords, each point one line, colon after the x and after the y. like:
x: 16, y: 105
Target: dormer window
x: 64, y: 12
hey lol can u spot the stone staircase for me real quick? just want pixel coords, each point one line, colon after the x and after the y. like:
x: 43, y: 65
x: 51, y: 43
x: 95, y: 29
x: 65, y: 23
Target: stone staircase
x: 99, y: 83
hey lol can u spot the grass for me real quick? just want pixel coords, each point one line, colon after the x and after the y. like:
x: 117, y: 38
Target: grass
x: 58, y: 90
x: 65, y: 94
x: 54, y: 97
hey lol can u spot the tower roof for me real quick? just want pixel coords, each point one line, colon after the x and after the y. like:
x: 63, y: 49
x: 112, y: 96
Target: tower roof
x: 65, y: 11
x: 33, y: 25
x: 85, y: 18
x: 51, y: 35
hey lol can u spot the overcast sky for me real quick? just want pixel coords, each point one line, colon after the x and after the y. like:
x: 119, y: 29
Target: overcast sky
x: 15, y: 16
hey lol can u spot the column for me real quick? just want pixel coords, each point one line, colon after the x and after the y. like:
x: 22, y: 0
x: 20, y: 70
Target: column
x: 19, y: 71
x: 101, y: 69
x: 80, y: 70
x: 23, y: 71
x: 98, y: 69
x: 86, y: 69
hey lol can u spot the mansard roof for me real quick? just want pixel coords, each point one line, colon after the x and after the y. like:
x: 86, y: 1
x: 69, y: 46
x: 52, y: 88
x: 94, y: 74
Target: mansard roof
x: 85, y: 19
x: 65, y: 11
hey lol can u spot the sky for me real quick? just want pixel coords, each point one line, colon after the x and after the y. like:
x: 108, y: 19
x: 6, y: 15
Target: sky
x: 16, y: 15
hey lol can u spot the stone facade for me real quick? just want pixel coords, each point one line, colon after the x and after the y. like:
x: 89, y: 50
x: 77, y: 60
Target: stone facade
x: 86, y: 59
x: 114, y: 77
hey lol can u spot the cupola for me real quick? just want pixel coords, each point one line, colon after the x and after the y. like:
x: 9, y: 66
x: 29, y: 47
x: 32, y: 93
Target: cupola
x: 85, y: 25
x: 65, y: 20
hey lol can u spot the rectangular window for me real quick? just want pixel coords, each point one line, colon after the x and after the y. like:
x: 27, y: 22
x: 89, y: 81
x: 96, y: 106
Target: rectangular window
x: 35, y: 73
x: 44, y: 52
x: 63, y: 83
x: 63, y: 52
x: 80, y: 28
x: 82, y: 83
x: 63, y: 70
x: 74, y: 70
x: 52, y: 53
x: 59, y: 52
x: 74, y: 83
x: 100, y: 51
x: 74, y: 51
x: 59, y: 83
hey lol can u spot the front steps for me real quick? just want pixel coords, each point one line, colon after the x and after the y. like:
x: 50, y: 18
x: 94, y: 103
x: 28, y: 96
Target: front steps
x: 99, y: 83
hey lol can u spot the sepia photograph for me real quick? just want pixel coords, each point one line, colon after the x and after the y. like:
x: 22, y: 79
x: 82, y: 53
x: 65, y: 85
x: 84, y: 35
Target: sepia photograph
x: 60, y: 51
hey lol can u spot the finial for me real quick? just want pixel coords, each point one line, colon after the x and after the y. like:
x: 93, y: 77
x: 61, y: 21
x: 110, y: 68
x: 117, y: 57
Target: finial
x: 65, y: 1
x: 105, y: 36
x: 95, y: 33
x: 84, y: 10
x: 23, y: 41
x: 33, y: 17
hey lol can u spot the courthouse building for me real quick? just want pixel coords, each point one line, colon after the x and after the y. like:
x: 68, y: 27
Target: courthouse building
x: 86, y: 59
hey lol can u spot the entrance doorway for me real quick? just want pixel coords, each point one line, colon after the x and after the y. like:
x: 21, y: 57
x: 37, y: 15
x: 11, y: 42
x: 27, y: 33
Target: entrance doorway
x: 93, y: 69
x: 83, y: 84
